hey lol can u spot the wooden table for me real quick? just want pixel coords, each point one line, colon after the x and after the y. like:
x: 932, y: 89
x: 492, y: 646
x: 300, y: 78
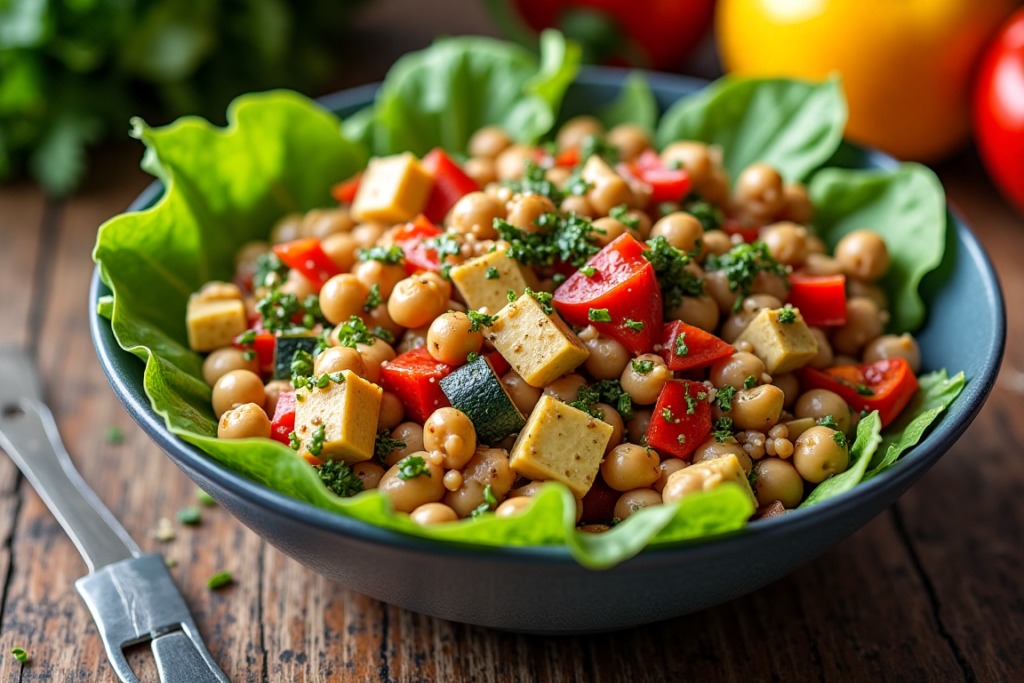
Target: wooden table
x: 931, y: 590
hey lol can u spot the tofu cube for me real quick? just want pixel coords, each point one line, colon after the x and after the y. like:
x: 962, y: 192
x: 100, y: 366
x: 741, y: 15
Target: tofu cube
x: 479, y: 291
x: 213, y: 324
x: 348, y: 412
x: 393, y: 189
x: 561, y: 443
x: 540, y: 347
x: 783, y: 346
x: 706, y: 475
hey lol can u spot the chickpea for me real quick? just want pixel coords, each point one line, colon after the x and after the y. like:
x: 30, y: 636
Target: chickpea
x: 384, y: 275
x: 297, y: 284
x: 320, y: 223
x: 379, y: 317
x: 338, y: 358
x: 272, y: 391
x: 408, y: 494
x: 286, y: 229
x: 629, y: 466
x: 772, y: 284
x: 668, y: 467
x: 644, y: 387
x: 392, y: 412
x: 609, y: 192
x: 629, y: 139
x: 578, y: 204
x: 222, y: 361
x: 778, y: 480
x: 367, y: 234
x: 341, y: 249
x: 716, y: 242
x: 433, y: 513
x: 820, y: 264
x: 487, y: 467
x: 611, y: 229
x: 736, y: 323
x: 525, y: 209
x: 790, y: 385
x: 370, y: 473
x: 759, y: 192
x: 892, y: 346
x: 342, y: 297
x: 820, y: 403
x: 218, y: 291
x: 245, y: 257
x: 575, y: 130
x: 450, y: 338
x: 815, y: 245
x: 712, y: 450
x: 636, y: 429
x: 716, y: 284
x: 858, y: 288
x: 817, y: 455
x: 236, y: 388
x: 558, y: 175
x: 863, y: 255
x: 634, y: 501
x: 758, y: 408
x: 735, y: 369
x: 489, y: 142
x: 608, y: 358
x: 513, y: 506
x: 699, y: 311
x: 450, y: 437
x: 474, y: 214
x: 377, y: 352
x: 522, y: 394
x: 681, y: 230
x: 695, y: 157
x: 416, y: 301
x: 409, y: 433
x: 481, y: 170
x: 247, y: 421
x: 824, y: 356
x: 566, y: 388
x: 413, y: 339
x: 611, y: 416
x: 500, y: 192
x: 787, y: 242
x: 511, y: 162
x: 690, y: 480
x: 864, y: 323
x: 798, y: 207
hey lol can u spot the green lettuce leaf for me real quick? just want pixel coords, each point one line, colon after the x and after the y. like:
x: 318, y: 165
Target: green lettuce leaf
x: 634, y: 104
x: 907, y: 207
x: 863, y: 450
x: 441, y: 95
x: 793, y: 125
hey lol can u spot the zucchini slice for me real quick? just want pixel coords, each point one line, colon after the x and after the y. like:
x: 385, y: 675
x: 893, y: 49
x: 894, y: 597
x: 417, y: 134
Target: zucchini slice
x: 476, y: 390
x: 286, y: 348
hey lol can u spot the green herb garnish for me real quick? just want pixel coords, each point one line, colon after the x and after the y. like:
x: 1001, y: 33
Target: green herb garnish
x: 589, y: 271
x: 490, y: 502
x: 412, y: 467
x: 722, y: 429
x: 190, y: 515
x: 302, y: 363
x: 607, y: 391
x: 635, y: 325
x: 219, y: 580
x: 533, y: 181
x: 472, y: 357
x: 621, y: 214
x: 642, y: 366
x: 828, y: 421
x: 392, y: 256
x: 839, y: 438
x: 20, y: 654
x: 268, y: 264
x: 479, y: 320
x: 492, y: 273
x: 384, y: 445
x: 293, y: 441
x: 373, y: 299
x: 742, y: 264
x: 709, y: 215
x: 787, y: 316
x: 681, y: 348
x: 316, y: 444
x: 599, y: 315
x: 354, y: 332
x: 750, y: 382
x: 725, y: 396
x: 566, y: 238
x: 542, y: 298
x: 670, y: 267
x: 340, y: 478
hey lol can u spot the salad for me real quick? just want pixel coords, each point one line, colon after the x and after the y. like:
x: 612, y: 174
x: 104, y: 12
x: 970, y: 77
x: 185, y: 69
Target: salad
x: 498, y: 330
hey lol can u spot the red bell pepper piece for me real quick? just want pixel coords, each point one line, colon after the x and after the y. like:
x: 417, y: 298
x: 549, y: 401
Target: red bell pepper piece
x: 345, y: 191
x: 415, y: 378
x: 306, y: 256
x: 674, y: 429
x: 667, y: 184
x: 283, y: 423
x: 702, y: 348
x: 820, y: 298
x: 412, y: 238
x: 744, y: 229
x: 264, y: 344
x: 599, y: 503
x: 570, y: 156
x: 624, y: 283
x: 885, y: 385
x: 450, y: 184
x: 499, y: 363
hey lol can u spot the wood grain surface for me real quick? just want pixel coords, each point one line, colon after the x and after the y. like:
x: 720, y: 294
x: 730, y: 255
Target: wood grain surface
x: 931, y: 590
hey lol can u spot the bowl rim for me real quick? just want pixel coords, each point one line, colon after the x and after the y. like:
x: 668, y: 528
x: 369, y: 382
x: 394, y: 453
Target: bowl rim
x: 913, y: 465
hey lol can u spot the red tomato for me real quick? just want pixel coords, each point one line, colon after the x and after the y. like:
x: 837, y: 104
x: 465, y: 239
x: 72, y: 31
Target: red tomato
x: 624, y: 283
x: 999, y: 110
x: 345, y: 191
x: 283, y: 423
x: 265, y: 346
x: 450, y: 184
x: 674, y: 429
x: 885, y: 385
x: 306, y: 256
x: 415, y: 377
x: 702, y: 348
x: 820, y: 298
x: 667, y: 184
x: 748, y: 232
x: 411, y: 237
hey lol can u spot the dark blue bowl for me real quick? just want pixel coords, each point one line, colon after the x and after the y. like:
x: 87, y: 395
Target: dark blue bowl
x: 543, y: 589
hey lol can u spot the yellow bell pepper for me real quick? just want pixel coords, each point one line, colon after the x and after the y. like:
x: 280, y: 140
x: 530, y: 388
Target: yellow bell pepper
x: 906, y: 65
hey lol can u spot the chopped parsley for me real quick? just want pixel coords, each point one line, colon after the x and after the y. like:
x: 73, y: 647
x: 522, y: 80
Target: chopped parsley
x: 607, y: 391
x: 302, y: 363
x: 589, y: 271
x: 681, y: 348
x: 635, y: 325
x: 670, y: 267
x: 115, y: 436
x: 750, y: 382
x: 384, y: 444
x: 840, y: 439
x: 534, y: 181
x: 478, y: 320
x: 566, y: 238
x: 725, y: 396
x: 599, y: 315
x: 787, y: 316
x: 248, y: 355
x: 621, y: 214
x: 277, y: 310
x: 642, y: 366
x: 20, y: 654
x: 492, y: 273
x: 472, y: 357
x: 412, y: 467
x: 204, y: 498
x: 490, y: 502
x: 742, y: 264
x: 542, y: 298
x: 268, y: 264
x: 392, y: 256
x: 667, y: 415
x: 862, y: 389
x: 340, y: 478
x: 444, y: 245
x: 596, y: 144
x: 373, y: 299
x: 558, y: 278
x: 316, y: 445
x: 752, y: 477
x: 828, y: 421
x: 247, y: 338
x: 722, y: 429
x: 709, y: 215
x: 190, y: 515
x: 293, y: 441
x: 691, y: 403
x: 512, y: 296
x: 219, y: 580
x: 354, y: 332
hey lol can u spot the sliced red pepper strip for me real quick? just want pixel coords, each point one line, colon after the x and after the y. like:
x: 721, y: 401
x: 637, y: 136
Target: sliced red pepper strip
x: 820, y: 298
x: 450, y: 184
x: 885, y: 385
x: 667, y: 184
x: 415, y: 377
x: 625, y: 285
x: 673, y: 428
x: 345, y: 191
x: 411, y: 237
x: 283, y: 423
x: 264, y: 344
x: 748, y: 232
x: 306, y: 256
x: 702, y: 348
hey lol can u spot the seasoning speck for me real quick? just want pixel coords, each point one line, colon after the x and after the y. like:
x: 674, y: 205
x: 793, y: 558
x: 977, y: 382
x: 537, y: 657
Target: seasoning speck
x: 115, y: 436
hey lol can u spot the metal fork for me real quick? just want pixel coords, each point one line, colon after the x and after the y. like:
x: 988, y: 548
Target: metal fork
x: 131, y: 595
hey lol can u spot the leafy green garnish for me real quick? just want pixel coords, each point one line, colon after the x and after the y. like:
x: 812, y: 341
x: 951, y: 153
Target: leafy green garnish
x: 750, y: 382
x: 534, y: 182
x: 621, y: 214
x: 864, y: 445
x: 566, y: 238
x: 828, y: 421
x: 492, y: 273
x: 742, y: 264
x: 589, y: 271
x: 302, y: 363
x: 725, y: 396
x: 413, y: 466
x: 384, y: 444
x: 20, y: 654
x: 670, y: 266
x: 490, y: 502
x: 787, y: 316
x: 316, y: 443
x: 709, y: 215
x: 839, y: 438
x: 190, y: 515
x: 599, y: 315
x: 479, y: 320
x: 219, y: 580
x: 340, y: 478
x: 607, y: 391
x: 642, y: 366
x: 722, y: 429
x: 373, y: 299
x: 635, y: 325
x: 355, y: 332
x: 542, y: 298
x: 393, y: 255
x: 472, y: 357
x: 681, y: 348
x: 267, y: 264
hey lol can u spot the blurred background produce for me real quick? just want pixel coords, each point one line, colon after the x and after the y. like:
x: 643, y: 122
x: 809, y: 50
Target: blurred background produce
x: 72, y: 72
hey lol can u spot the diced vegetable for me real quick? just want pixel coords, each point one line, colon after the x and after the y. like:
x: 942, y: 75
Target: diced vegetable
x: 744, y: 229
x: 682, y: 418
x: 213, y: 324
x: 339, y: 421
x: 710, y: 474
x: 345, y: 191
x: 306, y: 256
x: 885, y: 385
x: 264, y: 345
x: 287, y: 345
x: 624, y: 286
x: 415, y: 377
x: 561, y: 443
x: 599, y: 503
x: 482, y: 287
x: 412, y: 238
x: 283, y: 423
x: 450, y: 184
x: 540, y: 347
x: 685, y: 347
x: 499, y: 363
x: 820, y: 298
x: 476, y: 390
x: 667, y: 184
x: 393, y: 189
x: 781, y: 339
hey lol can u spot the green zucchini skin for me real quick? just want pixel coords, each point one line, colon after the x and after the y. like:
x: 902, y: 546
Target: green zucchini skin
x: 476, y: 390
x: 286, y: 348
